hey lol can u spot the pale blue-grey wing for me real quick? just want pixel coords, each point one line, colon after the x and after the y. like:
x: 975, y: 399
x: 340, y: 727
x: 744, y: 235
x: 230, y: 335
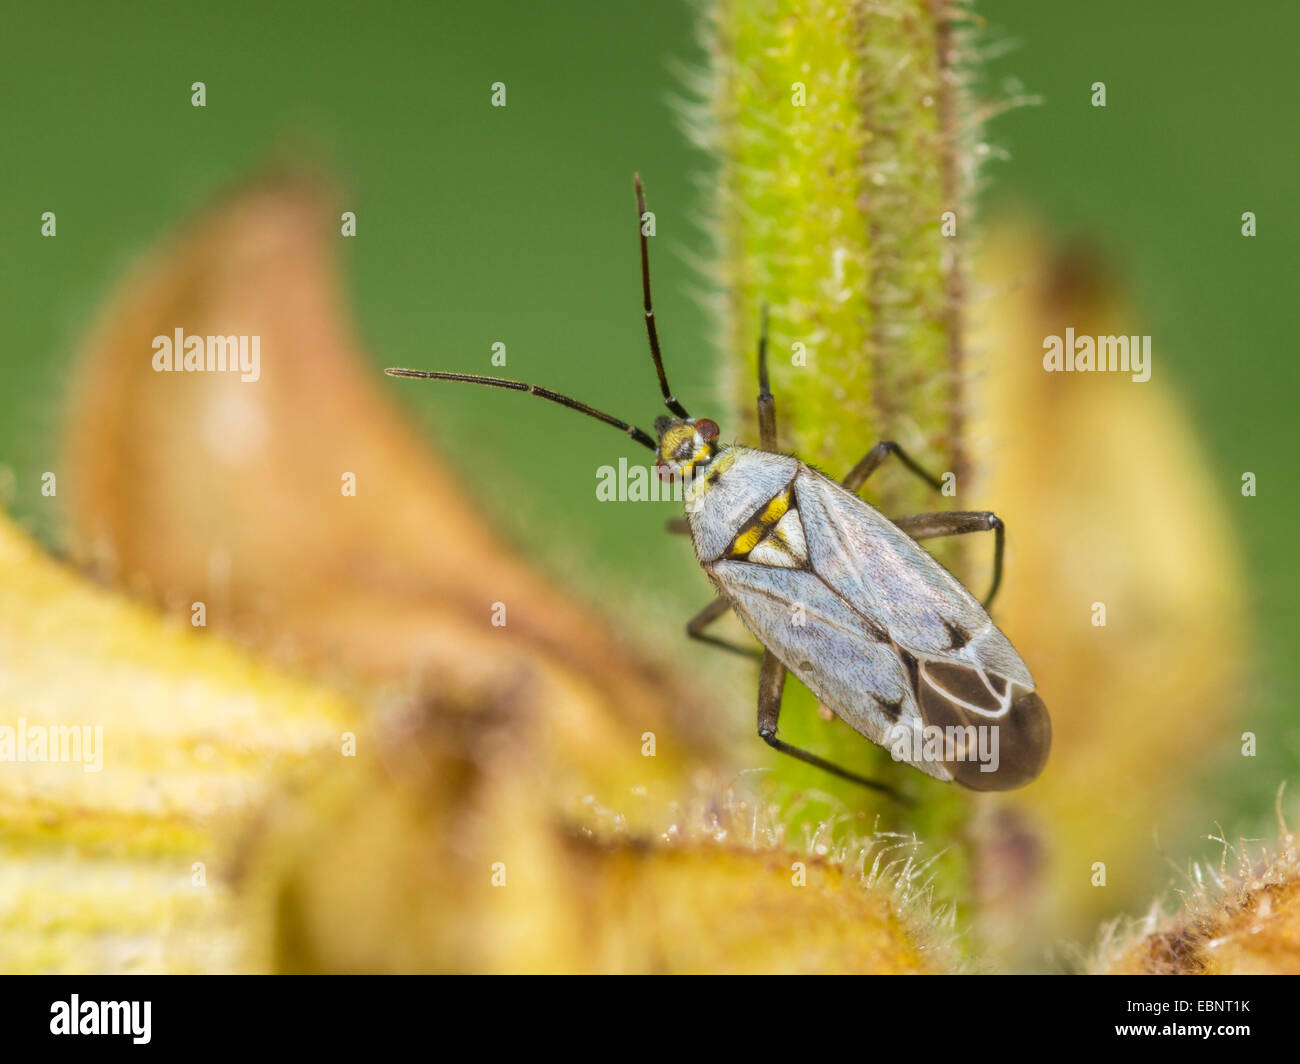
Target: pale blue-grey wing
x: 883, y: 571
x: 965, y: 675
x: 843, y: 656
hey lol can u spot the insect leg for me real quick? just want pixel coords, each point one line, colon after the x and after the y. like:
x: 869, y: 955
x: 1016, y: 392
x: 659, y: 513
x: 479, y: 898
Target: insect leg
x: 678, y: 524
x: 873, y: 459
x: 766, y: 404
x: 958, y: 523
x: 715, y: 609
x: 771, y: 686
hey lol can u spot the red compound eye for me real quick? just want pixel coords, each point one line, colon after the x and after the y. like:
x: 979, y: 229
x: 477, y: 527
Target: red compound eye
x: 707, y: 428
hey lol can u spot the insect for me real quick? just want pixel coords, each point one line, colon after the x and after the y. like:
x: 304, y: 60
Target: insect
x: 837, y: 594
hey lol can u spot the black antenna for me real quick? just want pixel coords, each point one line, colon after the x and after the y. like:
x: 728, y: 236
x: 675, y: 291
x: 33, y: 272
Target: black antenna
x: 651, y: 331
x: 763, y: 388
x: 766, y: 404
x: 643, y: 438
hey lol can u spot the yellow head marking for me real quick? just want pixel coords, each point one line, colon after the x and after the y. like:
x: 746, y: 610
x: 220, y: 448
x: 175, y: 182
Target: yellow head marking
x: 685, y: 447
x: 677, y: 444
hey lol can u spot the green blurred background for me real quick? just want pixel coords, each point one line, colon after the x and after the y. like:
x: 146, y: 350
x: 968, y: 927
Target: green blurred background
x: 478, y: 224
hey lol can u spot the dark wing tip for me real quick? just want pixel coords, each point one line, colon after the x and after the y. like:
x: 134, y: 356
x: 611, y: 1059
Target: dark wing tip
x: 1024, y: 743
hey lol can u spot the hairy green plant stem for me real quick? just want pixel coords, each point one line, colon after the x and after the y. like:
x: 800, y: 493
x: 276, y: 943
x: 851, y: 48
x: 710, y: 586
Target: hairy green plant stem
x: 842, y: 142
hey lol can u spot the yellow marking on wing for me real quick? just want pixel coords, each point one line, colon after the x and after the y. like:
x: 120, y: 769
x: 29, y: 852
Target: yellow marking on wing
x: 776, y: 509
x: 754, y: 533
x: 747, y: 541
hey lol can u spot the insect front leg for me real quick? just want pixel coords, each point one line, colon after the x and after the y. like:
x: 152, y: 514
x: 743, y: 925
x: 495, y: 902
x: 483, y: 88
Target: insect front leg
x: 771, y: 688
x: 715, y: 609
x: 958, y: 523
x: 876, y: 456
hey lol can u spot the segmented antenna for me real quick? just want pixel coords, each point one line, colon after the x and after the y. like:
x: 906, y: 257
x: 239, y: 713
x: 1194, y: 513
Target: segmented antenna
x: 763, y: 388
x: 643, y: 438
x: 652, y: 333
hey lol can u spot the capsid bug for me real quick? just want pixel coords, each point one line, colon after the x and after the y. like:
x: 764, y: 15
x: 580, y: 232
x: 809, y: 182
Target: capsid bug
x: 884, y: 636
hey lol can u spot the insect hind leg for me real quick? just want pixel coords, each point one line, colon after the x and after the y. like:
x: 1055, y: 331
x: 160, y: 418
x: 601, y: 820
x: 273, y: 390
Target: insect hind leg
x: 771, y: 688
x: 958, y: 523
